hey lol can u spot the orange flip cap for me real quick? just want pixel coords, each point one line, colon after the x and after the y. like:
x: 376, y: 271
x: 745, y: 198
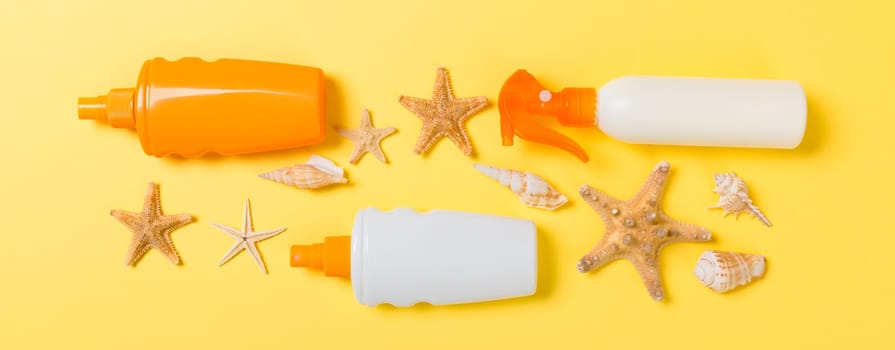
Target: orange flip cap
x: 522, y: 98
x: 333, y: 256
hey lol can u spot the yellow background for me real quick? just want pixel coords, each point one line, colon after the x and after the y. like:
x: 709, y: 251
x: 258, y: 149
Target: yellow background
x: 64, y: 283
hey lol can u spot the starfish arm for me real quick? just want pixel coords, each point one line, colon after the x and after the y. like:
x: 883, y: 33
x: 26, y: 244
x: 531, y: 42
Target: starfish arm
x: 377, y: 152
x: 164, y: 245
x: 458, y: 135
x: 152, y: 201
x: 172, y: 222
x: 235, y: 249
x: 466, y: 107
x: 652, y: 189
x: 601, y: 254
x: 443, y: 91
x: 138, y: 247
x: 428, y: 136
x: 125, y: 217
x: 365, y: 122
x: 381, y: 133
x: 647, y: 267
x: 684, y: 232
x: 423, y: 109
x: 247, y: 218
x: 348, y: 134
x: 356, y: 154
x: 602, y: 203
x: 259, y: 236
x: 253, y: 250
x: 232, y: 232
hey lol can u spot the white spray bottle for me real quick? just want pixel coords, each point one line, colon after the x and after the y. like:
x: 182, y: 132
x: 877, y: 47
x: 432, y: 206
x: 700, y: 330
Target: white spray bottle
x: 659, y: 110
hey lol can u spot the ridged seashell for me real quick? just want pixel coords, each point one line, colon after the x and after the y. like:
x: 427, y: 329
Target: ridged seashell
x: 735, y: 197
x: 531, y: 189
x: 723, y: 271
x: 317, y: 172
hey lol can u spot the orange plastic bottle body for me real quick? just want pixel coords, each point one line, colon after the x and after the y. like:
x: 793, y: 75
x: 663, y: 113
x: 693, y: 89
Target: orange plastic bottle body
x: 192, y: 107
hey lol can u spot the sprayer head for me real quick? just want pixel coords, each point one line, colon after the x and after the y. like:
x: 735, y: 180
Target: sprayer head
x: 333, y: 256
x: 522, y: 97
x: 116, y: 108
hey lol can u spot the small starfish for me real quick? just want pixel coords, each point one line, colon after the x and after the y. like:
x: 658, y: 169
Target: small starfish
x: 443, y: 115
x: 637, y: 229
x: 246, y: 239
x: 366, y: 138
x: 151, y: 228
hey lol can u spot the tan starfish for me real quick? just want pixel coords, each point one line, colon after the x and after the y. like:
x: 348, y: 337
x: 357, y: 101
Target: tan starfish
x: 366, y: 138
x: 151, y: 228
x: 246, y: 238
x: 443, y: 115
x: 637, y: 229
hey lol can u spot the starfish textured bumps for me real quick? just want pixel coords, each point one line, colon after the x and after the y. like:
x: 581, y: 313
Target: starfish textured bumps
x: 443, y: 115
x: 151, y: 228
x: 246, y: 238
x: 637, y: 229
x: 366, y: 138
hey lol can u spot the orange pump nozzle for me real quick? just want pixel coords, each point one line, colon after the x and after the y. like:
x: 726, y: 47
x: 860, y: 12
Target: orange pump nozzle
x: 116, y: 108
x: 522, y: 97
x: 333, y: 256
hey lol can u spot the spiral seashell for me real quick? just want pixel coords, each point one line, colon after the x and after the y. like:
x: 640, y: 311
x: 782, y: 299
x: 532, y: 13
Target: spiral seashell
x: 734, y: 197
x: 723, y: 271
x: 316, y: 173
x: 533, y: 190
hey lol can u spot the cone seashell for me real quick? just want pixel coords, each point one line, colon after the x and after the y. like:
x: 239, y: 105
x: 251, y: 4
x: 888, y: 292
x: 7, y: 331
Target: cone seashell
x: 533, y: 190
x: 315, y: 173
x: 735, y: 197
x: 723, y: 271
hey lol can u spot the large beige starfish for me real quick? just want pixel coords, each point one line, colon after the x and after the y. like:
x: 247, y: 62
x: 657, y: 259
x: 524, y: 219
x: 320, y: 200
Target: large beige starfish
x: 151, y: 228
x: 366, y: 138
x: 637, y: 229
x: 246, y: 238
x: 443, y: 115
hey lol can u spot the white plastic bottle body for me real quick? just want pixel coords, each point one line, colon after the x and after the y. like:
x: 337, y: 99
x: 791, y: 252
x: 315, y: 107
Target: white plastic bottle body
x: 402, y: 257
x: 703, y: 111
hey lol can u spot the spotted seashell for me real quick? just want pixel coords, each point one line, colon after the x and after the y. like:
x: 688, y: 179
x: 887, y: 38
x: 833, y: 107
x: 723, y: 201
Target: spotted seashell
x: 531, y: 189
x: 734, y: 197
x: 723, y: 271
x: 316, y: 173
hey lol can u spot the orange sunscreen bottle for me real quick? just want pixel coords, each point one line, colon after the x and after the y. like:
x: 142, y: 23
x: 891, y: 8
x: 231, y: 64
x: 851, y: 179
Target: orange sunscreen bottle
x: 192, y: 107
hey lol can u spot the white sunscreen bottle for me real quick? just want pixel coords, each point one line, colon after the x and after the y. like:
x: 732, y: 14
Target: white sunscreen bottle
x: 402, y: 257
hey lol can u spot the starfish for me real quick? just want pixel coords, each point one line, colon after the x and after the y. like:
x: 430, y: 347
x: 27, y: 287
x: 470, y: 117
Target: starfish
x: 637, y: 229
x: 151, y: 228
x: 443, y: 115
x: 366, y: 138
x: 246, y: 238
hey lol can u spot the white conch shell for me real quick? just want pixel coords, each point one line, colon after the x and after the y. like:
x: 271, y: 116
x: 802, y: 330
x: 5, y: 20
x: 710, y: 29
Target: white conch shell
x: 315, y: 173
x: 723, y: 271
x: 735, y: 197
x: 531, y: 189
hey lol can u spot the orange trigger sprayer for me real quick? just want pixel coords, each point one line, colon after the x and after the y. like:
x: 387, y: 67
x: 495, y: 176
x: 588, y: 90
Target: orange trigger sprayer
x: 522, y: 97
x: 659, y: 110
